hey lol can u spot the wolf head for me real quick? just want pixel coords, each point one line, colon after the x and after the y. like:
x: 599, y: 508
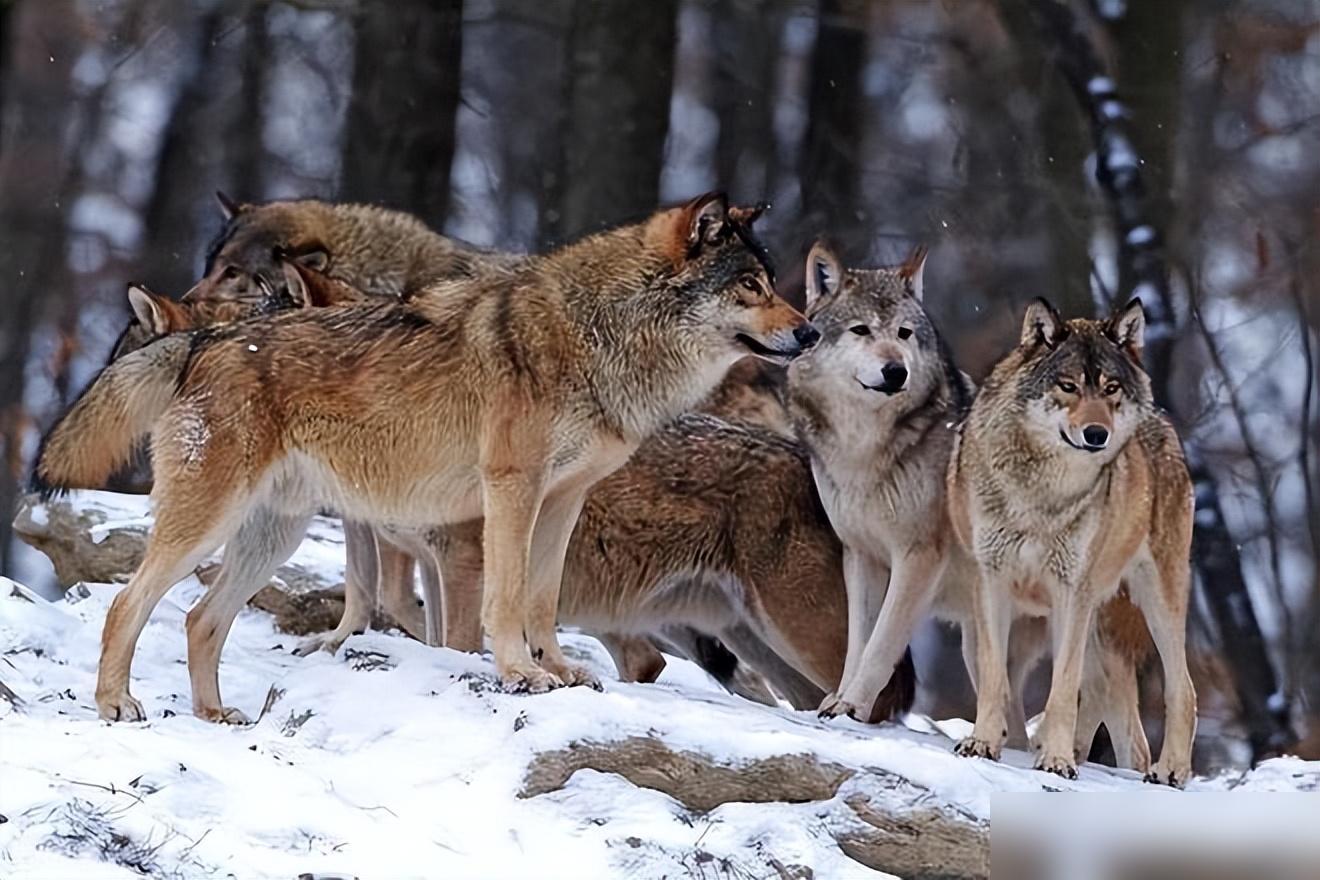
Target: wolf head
x: 878, y: 347
x: 253, y: 245
x: 1080, y: 383
x: 720, y: 282
x: 155, y: 315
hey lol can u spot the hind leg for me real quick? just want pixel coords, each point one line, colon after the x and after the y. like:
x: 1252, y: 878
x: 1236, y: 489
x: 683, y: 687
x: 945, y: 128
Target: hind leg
x: 1027, y: 642
x: 263, y: 542
x: 457, y: 551
x: 398, y: 598
x: 186, y: 532
x: 360, y: 588
x: 1122, y: 712
x: 635, y: 658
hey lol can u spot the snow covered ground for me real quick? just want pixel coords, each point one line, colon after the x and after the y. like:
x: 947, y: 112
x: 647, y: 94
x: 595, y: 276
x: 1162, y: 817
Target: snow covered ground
x: 393, y: 759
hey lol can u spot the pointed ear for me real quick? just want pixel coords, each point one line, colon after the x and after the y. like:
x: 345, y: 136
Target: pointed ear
x: 1127, y: 328
x: 1042, y: 324
x: 295, y: 284
x: 824, y: 273
x: 313, y: 256
x: 157, y: 313
x: 705, y: 219
x: 228, y: 206
x: 913, y: 271
x: 747, y: 215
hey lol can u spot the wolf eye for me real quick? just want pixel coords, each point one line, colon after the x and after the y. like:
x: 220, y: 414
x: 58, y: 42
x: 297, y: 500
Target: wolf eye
x: 861, y: 330
x: 904, y: 332
x: 1067, y: 387
x: 750, y: 283
x: 1111, y: 388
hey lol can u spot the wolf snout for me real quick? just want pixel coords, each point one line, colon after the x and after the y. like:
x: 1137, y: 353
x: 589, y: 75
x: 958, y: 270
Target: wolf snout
x: 895, y: 376
x: 1095, y: 436
x: 806, y: 335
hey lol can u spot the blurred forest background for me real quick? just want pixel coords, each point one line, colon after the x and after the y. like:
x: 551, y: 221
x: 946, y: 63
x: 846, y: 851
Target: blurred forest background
x: 1080, y: 150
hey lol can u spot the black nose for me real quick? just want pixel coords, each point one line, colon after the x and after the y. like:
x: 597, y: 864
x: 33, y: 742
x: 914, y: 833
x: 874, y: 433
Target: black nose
x: 895, y: 374
x: 1095, y: 435
x: 806, y: 335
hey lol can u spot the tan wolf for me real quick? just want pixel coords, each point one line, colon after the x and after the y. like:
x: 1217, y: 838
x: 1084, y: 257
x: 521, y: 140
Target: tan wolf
x: 1066, y: 481
x: 877, y: 402
x: 506, y: 396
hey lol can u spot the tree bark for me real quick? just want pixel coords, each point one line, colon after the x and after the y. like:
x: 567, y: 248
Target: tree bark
x: 746, y: 37
x: 1139, y: 225
x: 615, y: 117
x: 36, y: 183
x: 830, y: 161
x: 399, y: 134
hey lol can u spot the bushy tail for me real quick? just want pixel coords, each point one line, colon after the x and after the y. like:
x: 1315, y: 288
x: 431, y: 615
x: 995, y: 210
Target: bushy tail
x: 897, y: 698
x: 98, y: 434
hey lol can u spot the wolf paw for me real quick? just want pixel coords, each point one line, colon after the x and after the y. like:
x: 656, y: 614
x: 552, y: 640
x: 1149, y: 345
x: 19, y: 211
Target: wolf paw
x: 529, y: 680
x: 835, y: 706
x: 223, y: 715
x: 1059, y: 765
x: 1162, y: 774
x: 120, y: 707
x: 973, y: 747
x: 329, y: 642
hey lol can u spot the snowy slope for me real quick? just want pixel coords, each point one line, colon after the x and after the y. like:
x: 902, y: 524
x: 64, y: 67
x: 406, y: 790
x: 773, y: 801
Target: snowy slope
x: 397, y: 760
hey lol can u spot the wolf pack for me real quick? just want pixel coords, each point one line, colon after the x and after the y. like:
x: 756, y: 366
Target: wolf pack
x: 635, y: 435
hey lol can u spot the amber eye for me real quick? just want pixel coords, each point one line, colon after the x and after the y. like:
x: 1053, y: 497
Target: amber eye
x: 861, y: 330
x: 1067, y: 387
x: 1112, y: 388
x: 904, y: 332
x: 229, y: 274
x: 750, y: 283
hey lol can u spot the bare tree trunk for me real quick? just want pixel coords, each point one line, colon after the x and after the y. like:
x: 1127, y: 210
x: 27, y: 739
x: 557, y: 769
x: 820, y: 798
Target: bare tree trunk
x: 830, y: 160
x: 35, y: 176
x: 167, y: 255
x: 746, y: 39
x: 1145, y: 273
x: 615, y: 116
x: 399, y: 135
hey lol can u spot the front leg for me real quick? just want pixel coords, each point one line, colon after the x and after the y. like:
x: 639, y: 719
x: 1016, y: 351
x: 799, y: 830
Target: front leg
x: 554, y: 528
x: 994, y: 620
x: 1071, y: 623
x: 511, y: 497
x: 865, y: 580
x: 912, y: 585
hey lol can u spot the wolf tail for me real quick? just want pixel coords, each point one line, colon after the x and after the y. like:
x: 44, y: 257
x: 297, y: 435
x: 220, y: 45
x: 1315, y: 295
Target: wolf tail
x: 897, y: 698
x: 100, y: 431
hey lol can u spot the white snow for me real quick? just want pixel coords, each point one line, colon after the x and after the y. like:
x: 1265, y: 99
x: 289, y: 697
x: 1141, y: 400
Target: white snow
x: 393, y: 759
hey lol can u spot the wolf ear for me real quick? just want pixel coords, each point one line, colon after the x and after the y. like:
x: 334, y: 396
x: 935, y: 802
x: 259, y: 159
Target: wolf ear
x: 296, y: 285
x: 313, y: 257
x: 1127, y: 327
x: 228, y: 206
x: 157, y: 313
x: 1042, y: 325
x: 704, y: 219
x: 747, y: 215
x: 913, y: 271
x: 824, y: 273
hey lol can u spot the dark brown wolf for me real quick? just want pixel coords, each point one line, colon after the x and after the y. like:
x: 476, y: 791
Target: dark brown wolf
x: 506, y: 396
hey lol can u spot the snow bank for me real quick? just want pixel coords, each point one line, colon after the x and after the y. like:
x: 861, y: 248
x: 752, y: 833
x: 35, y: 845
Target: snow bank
x: 397, y: 760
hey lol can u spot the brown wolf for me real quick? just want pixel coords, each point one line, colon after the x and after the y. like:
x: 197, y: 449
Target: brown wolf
x: 1065, y: 481
x: 506, y: 396
x: 877, y: 402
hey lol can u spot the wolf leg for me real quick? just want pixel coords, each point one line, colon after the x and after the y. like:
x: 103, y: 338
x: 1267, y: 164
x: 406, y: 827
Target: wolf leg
x: 1071, y: 622
x: 1164, y: 601
x: 865, y: 580
x: 635, y: 658
x: 911, y: 588
x: 185, y: 533
x: 457, y: 552
x: 993, y: 621
x: 554, y: 528
x: 398, y: 598
x: 510, y: 500
x: 263, y: 542
x: 1027, y: 642
x: 1122, y: 711
x: 360, y: 589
